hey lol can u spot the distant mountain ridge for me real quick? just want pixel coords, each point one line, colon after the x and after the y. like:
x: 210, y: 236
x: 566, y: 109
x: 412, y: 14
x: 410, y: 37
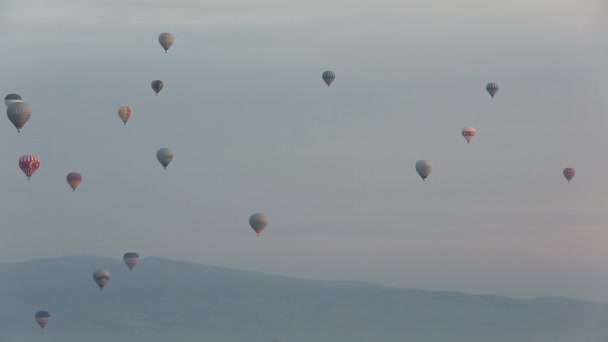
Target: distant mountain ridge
x: 162, y: 300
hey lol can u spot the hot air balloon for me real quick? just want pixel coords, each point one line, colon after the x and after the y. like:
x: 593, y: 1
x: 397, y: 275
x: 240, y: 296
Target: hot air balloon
x: 468, y: 133
x: 164, y: 156
x: 492, y: 88
x: 258, y: 222
x: 131, y: 259
x: 124, y: 113
x: 42, y: 318
x: 101, y: 278
x: 157, y: 86
x: 12, y: 98
x: 29, y: 163
x: 18, y: 113
x: 74, y: 179
x: 328, y: 77
x: 424, y: 168
x: 569, y: 173
x: 166, y: 40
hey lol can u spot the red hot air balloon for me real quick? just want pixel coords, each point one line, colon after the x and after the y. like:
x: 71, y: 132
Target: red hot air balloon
x: 29, y: 163
x: 569, y: 173
x: 74, y: 179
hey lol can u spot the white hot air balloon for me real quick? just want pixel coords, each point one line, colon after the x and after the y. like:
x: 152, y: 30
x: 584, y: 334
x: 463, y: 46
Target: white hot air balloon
x: 101, y: 278
x: 258, y: 222
x: 424, y: 168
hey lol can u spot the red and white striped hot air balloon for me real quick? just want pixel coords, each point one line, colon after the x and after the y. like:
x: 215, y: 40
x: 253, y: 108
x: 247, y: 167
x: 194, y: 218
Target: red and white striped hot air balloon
x: 468, y: 133
x: 29, y: 163
x: 569, y: 173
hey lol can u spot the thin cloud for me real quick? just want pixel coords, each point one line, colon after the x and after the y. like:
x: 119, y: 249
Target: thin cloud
x: 178, y: 15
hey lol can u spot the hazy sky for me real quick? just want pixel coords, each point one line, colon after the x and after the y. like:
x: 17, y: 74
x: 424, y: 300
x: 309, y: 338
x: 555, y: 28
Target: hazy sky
x: 255, y: 129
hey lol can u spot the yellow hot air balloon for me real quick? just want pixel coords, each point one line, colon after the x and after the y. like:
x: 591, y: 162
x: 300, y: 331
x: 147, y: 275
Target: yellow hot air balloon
x: 124, y: 113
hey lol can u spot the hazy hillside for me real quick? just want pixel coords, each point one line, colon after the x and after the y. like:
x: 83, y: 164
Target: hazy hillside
x: 163, y: 300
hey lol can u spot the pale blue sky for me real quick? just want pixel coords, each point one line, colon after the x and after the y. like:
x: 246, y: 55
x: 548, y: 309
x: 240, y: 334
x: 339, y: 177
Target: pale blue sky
x: 254, y: 129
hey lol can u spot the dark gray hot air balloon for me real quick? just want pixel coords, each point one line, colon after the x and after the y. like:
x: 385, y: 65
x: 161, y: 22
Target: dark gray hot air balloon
x: 19, y: 113
x: 101, y: 278
x: 42, y: 318
x: 492, y: 89
x: 166, y: 39
x: 157, y: 86
x: 164, y: 156
x: 258, y: 222
x: 424, y: 168
x: 328, y: 77
x: 131, y: 259
x: 12, y: 98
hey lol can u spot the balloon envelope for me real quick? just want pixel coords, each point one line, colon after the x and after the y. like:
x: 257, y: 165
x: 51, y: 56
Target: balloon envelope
x: 101, y: 277
x: 468, y: 133
x: 328, y: 77
x: 42, y: 318
x: 12, y: 98
x: 164, y: 156
x: 19, y: 113
x: 166, y: 39
x: 258, y: 222
x: 74, y: 179
x: 157, y: 86
x: 131, y: 259
x: 29, y: 163
x: 492, y: 88
x: 124, y: 113
x: 569, y: 173
x: 424, y: 168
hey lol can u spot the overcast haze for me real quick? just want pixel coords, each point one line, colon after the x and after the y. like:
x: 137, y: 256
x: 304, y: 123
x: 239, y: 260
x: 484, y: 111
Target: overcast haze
x: 255, y: 129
